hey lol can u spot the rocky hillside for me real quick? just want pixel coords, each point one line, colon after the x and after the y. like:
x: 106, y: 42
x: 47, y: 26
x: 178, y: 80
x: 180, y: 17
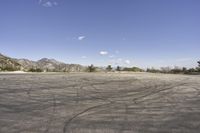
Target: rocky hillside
x: 44, y: 64
x: 9, y: 64
x: 53, y: 65
x: 27, y: 64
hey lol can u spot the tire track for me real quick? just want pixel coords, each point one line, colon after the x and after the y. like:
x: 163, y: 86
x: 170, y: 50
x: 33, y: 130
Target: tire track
x: 67, y: 123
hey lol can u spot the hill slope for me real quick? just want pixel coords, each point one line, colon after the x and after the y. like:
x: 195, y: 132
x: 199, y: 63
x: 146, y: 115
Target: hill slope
x: 45, y: 64
x: 9, y: 64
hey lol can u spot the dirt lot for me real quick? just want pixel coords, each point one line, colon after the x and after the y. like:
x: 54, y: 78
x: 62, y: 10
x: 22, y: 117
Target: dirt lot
x: 99, y: 103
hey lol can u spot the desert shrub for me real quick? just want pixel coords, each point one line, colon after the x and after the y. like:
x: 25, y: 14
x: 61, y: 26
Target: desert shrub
x: 91, y: 68
x: 35, y: 70
x: 191, y: 70
x: 8, y: 68
x: 31, y: 70
x: 133, y: 69
x: 165, y: 69
x: 176, y: 71
x: 153, y: 70
x: 38, y: 70
x: 168, y: 70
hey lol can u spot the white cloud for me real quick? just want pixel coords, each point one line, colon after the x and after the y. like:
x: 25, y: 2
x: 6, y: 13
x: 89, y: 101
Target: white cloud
x: 48, y: 3
x: 127, y: 62
x: 80, y: 38
x: 83, y: 57
x: 103, y: 52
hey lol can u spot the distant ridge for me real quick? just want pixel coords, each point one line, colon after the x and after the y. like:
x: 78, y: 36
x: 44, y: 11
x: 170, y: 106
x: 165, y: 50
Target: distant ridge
x: 45, y: 64
x: 7, y: 63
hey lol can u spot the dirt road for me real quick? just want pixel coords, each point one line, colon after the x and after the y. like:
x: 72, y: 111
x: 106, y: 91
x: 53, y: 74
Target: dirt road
x: 99, y: 103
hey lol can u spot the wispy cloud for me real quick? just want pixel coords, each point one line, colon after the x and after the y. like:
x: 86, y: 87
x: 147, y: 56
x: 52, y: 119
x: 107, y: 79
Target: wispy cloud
x: 80, y: 38
x: 48, y: 3
x: 103, y: 52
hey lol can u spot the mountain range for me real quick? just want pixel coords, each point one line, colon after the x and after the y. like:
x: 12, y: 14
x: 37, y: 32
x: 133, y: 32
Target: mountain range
x: 44, y: 64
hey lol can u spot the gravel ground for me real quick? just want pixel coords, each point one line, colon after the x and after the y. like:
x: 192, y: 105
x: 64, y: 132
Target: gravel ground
x: 99, y: 103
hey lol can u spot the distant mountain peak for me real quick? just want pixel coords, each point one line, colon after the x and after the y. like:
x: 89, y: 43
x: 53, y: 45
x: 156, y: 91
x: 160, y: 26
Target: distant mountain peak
x: 47, y: 60
x: 45, y: 64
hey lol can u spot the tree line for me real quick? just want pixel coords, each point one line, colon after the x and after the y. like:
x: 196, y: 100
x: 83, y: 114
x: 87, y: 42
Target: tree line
x: 175, y: 70
x: 109, y: 68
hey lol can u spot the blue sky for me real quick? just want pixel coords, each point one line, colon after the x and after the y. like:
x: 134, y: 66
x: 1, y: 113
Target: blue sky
x: 142, y: 33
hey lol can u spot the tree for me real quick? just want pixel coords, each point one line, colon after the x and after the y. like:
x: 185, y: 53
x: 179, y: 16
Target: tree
x: 118, y: 68
x: 184, y: 69
x: 91, y: 68
x: 109, y: 68
x: 198, y: 68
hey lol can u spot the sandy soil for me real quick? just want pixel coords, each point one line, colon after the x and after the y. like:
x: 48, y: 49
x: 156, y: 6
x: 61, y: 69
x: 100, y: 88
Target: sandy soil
x: 12, y: 72
x: 99, y: 103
